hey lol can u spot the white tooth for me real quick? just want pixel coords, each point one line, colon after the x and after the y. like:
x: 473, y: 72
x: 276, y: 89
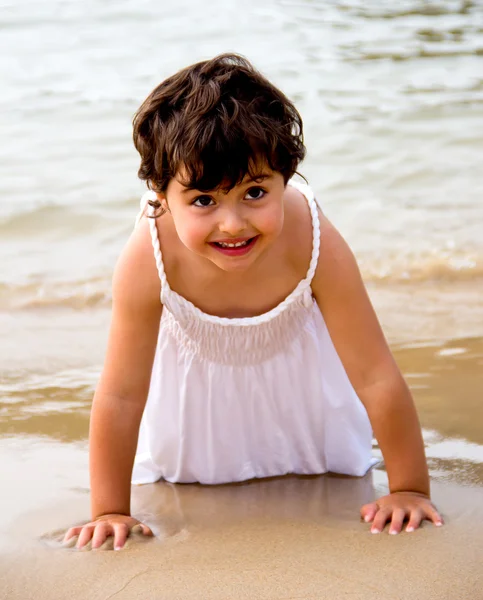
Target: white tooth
x: 237, y: 245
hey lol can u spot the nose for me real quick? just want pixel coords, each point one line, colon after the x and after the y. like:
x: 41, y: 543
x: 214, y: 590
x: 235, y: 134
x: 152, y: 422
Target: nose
x: 232, y: 222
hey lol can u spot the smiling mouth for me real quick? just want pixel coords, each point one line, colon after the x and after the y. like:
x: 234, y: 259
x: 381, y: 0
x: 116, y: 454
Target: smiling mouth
x: 235, y: 248
x: 233, y: 245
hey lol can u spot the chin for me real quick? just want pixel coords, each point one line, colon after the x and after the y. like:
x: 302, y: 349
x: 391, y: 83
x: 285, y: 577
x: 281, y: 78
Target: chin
x: 231, y: 265
x: 232, y: 268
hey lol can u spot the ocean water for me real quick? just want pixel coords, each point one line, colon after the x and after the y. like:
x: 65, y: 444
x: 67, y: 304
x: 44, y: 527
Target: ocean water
x: 392, y: 99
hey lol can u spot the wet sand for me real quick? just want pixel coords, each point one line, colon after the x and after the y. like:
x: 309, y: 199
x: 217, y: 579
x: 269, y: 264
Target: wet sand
x: 290, y: 537
x: 280, y: 539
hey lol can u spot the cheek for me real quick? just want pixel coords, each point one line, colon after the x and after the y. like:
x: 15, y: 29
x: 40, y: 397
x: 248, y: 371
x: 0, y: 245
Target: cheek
x: 270, y: 221
x: 191, y: 231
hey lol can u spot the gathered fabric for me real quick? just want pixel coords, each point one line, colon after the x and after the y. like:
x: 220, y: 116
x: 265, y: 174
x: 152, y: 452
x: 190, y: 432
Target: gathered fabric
x: 236, y: 399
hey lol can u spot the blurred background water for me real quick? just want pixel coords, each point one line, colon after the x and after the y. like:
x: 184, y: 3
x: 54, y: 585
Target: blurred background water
x: 391, y: 96
x: 392, y: 99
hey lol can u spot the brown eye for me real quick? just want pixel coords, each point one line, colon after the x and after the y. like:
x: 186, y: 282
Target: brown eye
x: 256, y: 193
x: 202, y: 201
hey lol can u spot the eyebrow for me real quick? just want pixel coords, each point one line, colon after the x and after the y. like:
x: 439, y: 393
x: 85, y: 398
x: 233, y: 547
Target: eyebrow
x: 257, y: 178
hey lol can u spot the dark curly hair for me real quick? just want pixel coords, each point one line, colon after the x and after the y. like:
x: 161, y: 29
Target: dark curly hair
x: 217, y: 121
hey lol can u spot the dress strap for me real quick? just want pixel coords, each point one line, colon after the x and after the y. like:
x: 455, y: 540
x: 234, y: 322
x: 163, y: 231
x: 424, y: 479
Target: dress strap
x: 145, y: 208
x: 314, y: 212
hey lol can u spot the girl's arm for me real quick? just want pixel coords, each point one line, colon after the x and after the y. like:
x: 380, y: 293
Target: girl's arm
x: 122, y: 391
x: 372, y: 370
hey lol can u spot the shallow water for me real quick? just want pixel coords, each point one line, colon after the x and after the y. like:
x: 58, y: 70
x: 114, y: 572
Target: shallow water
x: 44, y: 426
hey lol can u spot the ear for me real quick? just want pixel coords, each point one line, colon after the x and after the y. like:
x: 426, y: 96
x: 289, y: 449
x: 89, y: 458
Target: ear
x: 163, y: 201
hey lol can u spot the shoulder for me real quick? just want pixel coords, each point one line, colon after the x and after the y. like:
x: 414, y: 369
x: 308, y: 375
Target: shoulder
x: 337, y: 275
x: 337, y: 268
x: 334, y: 251
x: 136, y: 281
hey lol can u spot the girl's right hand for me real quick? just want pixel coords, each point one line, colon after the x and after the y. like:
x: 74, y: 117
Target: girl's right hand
x: 118, y: 526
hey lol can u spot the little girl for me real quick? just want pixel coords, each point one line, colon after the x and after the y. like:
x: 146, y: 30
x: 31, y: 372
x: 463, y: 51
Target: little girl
x: 243, y: 343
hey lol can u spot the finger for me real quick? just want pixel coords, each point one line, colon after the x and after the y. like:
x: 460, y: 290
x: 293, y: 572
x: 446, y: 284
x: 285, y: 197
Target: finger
x: 101, y: 532
x: 121, y: 531
x: 146, y: 530
x: 414, y: 520
x: 73, y: 531
x: 368, y: 511
x: 380, y: 520
x: 85, y: 536
x: 141, y: 528
x: 397, y: 521
x: 433, y: 515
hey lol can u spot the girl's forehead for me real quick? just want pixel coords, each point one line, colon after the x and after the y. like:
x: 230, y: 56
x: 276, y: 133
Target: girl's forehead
x: 258, y: 174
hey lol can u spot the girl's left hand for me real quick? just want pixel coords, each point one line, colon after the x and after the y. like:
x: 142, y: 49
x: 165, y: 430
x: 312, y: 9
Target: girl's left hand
x: 398, y: 506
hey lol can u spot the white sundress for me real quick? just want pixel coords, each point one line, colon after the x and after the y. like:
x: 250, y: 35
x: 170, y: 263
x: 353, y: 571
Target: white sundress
x: 236, y: 399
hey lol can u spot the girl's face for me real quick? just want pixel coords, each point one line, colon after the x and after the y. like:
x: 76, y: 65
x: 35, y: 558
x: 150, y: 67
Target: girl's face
x: 232, y: 229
